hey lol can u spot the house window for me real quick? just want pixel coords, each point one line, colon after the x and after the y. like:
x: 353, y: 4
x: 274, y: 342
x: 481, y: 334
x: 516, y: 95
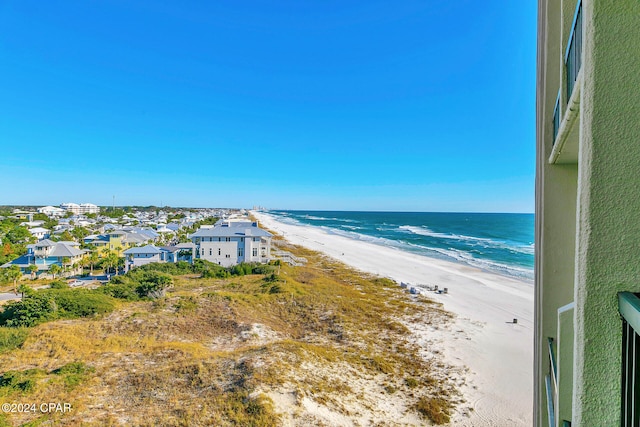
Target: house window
x: 242, y: 239
x: 228, y: 256
x: 219, y: 251
x: 227, y: 239
x: 256, y: 239
x: 210, y: 251
x: 219, y: 239
x: 240, y: 252
x: 202, y: 251
x: 255, y: 251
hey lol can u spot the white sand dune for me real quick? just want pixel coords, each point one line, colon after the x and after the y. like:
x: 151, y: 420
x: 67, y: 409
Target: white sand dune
x: 498, y: 353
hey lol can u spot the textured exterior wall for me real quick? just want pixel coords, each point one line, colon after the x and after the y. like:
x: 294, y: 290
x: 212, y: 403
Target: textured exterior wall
x: 556, y: 193
x: 608, y: 257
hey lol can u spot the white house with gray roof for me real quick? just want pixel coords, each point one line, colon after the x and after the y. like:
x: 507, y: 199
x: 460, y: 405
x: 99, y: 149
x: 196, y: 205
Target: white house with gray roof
x: 232, y: 242
x: 135, y: 257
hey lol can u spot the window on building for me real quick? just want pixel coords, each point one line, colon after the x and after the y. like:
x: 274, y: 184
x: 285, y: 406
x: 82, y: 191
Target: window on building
x: 219, y: 251
x: 255, y: 251
x: 228, y: 256
x: 242, y: 239
x: 202, y: 251
x: 240, y: 252
x: 256, y: 239
x: 227, y: 239
x: 210, y: 251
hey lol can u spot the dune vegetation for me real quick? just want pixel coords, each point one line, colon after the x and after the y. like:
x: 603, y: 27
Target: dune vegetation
x: 172, y: 345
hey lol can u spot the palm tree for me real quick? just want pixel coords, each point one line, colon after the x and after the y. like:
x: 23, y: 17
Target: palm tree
x: 14, y: 274
x: 54, y: 269
x: 111, y: 261
x: 66, y: 263
x: 24, y: 289
x: 32, y: 269
x: 93, y: 259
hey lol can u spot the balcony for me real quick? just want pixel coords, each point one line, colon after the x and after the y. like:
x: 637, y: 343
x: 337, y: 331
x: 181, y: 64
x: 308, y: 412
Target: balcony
x: 559, y: 381
x: 573, y: 54
x: 556, y: 119
x: 566, y: 132
x: 629, y: 305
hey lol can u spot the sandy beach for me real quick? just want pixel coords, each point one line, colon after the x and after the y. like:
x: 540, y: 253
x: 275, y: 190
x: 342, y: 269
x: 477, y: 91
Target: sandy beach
x: 484, y: 338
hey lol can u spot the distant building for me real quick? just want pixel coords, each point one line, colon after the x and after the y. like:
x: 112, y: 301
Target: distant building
x: 70, y: 207
x: 84, y: 208
x: 52, y: 211
x: 39, y: 232
x: 232, y: 242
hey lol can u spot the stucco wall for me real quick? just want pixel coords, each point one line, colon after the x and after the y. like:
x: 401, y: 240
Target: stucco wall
x: 608, y: 258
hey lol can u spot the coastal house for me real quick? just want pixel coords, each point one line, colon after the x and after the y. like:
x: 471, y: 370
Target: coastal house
x: 118, y: 239
x: 135, y: 257
x: 232, y: 242
x: 46, y: 253
x: 39, y: 232
x: 587, y: 312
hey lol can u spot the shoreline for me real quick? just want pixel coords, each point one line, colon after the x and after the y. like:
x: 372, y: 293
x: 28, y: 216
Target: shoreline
x: 483, y: 338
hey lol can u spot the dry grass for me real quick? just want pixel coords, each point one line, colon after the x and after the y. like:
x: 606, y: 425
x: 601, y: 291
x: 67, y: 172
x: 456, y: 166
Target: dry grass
x: 209, y: 352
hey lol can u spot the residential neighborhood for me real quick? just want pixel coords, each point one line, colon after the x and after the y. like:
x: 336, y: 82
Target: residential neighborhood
x: 84, y: 239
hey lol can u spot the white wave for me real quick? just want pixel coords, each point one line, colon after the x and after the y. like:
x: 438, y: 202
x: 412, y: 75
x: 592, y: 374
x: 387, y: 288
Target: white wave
x: 352, y: 227
x: 489, y: 243
x: 315, y: 218
x: 484, y: 264
x: 425, y: 231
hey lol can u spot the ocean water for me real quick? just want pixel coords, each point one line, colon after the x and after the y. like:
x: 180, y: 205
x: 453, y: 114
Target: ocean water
x: 498, y: 242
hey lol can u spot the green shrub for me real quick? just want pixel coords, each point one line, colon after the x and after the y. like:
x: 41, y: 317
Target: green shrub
x: 176, y: 269
x: 153, y: 284
x: 20, y: 381
x: 58, y: 284
x: 12, y: 338
x: 74, y: 373
x: 186, y: 304
x: 125, y: 291
x: 29, y: 311
x: 53, y: 304
x: 74, y: 303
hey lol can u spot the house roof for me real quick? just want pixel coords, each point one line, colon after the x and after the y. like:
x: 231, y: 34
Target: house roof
x: 22, y: 261
x: 38, y: 230
x: 45, y: 243
x: 232, y: 231
x: 64, y: 250
x: 185, y: 245
x: 149, y: 249
x: 171, y: 249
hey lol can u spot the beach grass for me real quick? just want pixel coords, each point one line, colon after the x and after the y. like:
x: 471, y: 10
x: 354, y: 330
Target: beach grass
x: 217, y: 351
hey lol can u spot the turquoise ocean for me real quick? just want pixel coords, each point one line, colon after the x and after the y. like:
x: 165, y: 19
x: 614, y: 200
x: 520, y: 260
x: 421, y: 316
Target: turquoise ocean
x: 502, y: 243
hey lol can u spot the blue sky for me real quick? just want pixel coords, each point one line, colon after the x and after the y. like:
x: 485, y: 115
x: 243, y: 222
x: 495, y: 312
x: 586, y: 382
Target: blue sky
x: 367, y: 105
